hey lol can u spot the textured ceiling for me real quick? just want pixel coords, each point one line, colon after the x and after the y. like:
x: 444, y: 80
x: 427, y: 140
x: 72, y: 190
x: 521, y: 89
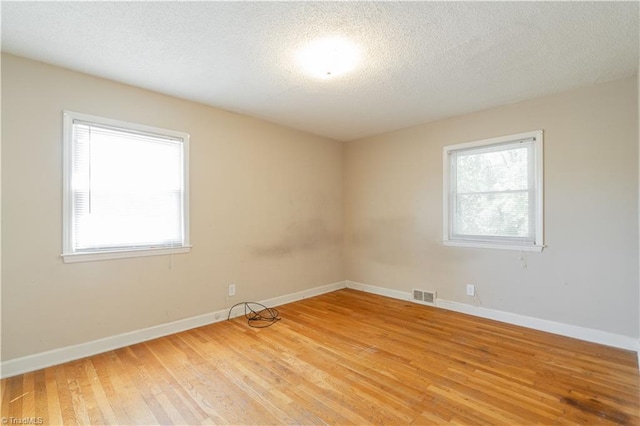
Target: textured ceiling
x: 422, y: 61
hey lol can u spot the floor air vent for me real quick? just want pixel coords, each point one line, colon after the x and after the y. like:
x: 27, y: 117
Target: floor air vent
x: 423, y: 296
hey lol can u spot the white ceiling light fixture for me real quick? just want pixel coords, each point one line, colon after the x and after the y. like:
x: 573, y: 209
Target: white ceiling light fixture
x: 419, y: 61
x: 328, y: 57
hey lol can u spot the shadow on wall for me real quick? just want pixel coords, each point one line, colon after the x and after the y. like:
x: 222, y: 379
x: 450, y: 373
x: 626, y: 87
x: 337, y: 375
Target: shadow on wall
x: 390, y: 240
x: 399, y: 241
x: 308, y: 235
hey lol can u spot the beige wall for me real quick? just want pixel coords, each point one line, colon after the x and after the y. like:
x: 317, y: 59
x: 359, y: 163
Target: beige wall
x: 588, y: 275
x: 266, y: 214
x: 267, y: 209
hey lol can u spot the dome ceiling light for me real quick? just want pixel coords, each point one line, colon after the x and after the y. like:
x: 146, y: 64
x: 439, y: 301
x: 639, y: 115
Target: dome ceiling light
x: 328, y: 57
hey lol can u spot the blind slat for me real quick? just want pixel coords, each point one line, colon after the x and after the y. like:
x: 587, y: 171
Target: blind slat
x: 127, y: 188
x: 492, y: 193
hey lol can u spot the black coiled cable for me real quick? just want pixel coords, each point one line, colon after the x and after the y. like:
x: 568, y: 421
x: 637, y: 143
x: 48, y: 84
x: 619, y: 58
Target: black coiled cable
x: 262, y: 318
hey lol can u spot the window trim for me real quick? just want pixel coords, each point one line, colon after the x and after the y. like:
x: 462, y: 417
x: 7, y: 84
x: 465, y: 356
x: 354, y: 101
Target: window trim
x: 497, y: 242
x: 68, y: 254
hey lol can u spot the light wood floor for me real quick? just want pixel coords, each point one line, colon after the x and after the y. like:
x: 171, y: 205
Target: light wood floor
x: 345, y: 357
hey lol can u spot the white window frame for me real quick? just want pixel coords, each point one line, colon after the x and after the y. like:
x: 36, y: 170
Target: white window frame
x: 496, y: 242
x: 69, y: 255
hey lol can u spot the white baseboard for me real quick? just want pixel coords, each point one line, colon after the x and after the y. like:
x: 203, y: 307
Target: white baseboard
x: 577, y: 332
x: 305, y: 294
x: 37, y: 361
x: 70, y: 353
x: 381, y: 291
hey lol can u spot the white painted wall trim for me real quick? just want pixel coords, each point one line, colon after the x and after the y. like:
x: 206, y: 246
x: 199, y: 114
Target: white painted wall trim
x: 381, y: 291
x: 70, y: 353
x: 568, y: 330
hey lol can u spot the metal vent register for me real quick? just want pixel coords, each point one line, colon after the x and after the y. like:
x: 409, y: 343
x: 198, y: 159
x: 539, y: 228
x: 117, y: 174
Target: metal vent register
x: 423, y: 296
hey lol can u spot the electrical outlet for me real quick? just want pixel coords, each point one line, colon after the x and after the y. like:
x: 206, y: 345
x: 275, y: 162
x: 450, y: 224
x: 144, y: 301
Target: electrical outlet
x: 232, y: 289
x: 471, y: 290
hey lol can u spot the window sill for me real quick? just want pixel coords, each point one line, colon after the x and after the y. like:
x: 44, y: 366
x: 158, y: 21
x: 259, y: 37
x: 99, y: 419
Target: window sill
x: 121, y: 254
x: 479, y: 244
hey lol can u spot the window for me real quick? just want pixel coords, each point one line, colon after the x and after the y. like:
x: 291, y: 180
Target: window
x: 493, y: 193
x: 125, y: 189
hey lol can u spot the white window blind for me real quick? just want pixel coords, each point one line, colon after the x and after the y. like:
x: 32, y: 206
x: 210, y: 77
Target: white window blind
x: 126, y: 187
x: 493, y: 192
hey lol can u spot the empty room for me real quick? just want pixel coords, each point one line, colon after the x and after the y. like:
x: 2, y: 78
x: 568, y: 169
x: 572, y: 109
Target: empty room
x: 348, y: 213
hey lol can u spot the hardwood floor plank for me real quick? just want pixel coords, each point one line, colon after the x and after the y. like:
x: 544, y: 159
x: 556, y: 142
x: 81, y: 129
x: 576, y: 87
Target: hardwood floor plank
x: 28, y: 398
x: 54, y: 413
x: 15, y: 387
x: 247, y: 374
x: 4, y: 397
x: 277, y: 379
x: 134, y: 407
x: 67, y: 408
x: 104, y: 372
x: 345, y: 357
x: 217, y: 397
x: 144, y: 385
x: 41, y: 408
x: 101, y: 399
x: 162, y: 389
x: 85, y: 407
x: 179, y: 382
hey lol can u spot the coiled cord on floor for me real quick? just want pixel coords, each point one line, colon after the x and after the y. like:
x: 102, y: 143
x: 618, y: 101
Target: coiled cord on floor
x: 265, y: 317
